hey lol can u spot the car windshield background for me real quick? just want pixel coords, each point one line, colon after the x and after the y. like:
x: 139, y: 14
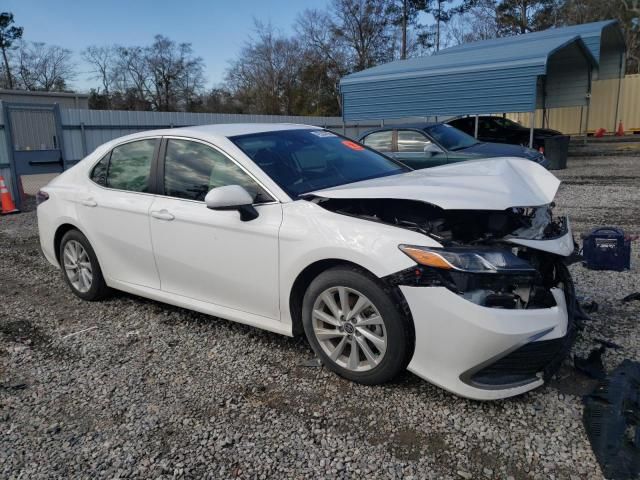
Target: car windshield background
x: 450, y: 138
x: 192, y: 169
x: 507, y: 123
x: 301, y: 161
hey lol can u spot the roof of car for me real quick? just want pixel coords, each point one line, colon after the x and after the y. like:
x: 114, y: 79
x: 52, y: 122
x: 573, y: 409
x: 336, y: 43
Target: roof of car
x: 217, y: 131
x: 233, y: 129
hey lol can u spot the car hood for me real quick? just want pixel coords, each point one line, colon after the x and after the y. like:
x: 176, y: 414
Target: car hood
x: 491, y: 184
x: 488, y: 149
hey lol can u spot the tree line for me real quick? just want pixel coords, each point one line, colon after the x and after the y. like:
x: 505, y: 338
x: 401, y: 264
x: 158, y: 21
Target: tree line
x: 297, y: 73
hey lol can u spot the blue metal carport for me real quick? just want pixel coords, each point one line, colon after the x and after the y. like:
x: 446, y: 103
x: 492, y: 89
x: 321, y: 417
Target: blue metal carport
x: 548, y: 69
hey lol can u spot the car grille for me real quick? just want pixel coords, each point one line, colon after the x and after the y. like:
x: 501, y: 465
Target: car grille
x: 522, y: 365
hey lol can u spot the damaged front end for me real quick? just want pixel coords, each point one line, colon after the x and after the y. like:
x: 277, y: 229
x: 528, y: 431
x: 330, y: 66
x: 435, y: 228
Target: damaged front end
x: 502, y: 259
x: 509, y: 260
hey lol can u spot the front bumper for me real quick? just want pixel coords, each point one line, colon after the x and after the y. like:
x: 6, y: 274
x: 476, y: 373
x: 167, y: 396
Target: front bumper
x: 458, y: 342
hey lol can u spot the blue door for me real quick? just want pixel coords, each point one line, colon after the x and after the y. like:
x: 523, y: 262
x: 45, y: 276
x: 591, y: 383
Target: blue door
x: 35, y: 143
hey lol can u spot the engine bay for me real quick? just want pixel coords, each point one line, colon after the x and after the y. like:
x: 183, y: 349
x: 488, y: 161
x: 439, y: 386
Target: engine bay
x: 454, y: 227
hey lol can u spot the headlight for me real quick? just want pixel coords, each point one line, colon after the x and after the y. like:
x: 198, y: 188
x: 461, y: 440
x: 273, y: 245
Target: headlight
x: 473, y: 260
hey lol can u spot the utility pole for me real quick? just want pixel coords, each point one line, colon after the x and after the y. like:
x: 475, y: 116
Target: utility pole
x: 438, y: 26
x: 403, y: 53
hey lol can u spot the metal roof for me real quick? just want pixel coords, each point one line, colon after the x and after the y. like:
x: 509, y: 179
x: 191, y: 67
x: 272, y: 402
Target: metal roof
x: 604, y: 40
x: 499, y: 79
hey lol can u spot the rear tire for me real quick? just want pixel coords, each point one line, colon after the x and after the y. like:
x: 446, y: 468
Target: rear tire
x: 355, y: 326
x: 80, y: 267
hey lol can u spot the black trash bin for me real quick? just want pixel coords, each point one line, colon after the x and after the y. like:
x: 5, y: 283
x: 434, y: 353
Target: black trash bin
x: 556, y: 149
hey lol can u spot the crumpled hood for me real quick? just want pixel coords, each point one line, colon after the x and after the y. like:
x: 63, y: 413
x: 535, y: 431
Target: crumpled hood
x: 491, y: 184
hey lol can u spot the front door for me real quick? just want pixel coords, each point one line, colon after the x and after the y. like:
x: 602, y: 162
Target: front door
x: 211, y: 255
x: 410, y: 150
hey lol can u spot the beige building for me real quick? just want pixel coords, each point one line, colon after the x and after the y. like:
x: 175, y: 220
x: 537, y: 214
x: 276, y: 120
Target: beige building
x: 602, y: 110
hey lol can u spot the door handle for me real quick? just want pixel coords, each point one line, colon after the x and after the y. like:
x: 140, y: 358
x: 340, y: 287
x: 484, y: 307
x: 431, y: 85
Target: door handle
x: 89, y: 202
x: 162, y: 215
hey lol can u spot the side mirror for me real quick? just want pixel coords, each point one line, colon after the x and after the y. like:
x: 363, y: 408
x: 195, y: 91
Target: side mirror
x: 431, y: 148
x: 232, y: 197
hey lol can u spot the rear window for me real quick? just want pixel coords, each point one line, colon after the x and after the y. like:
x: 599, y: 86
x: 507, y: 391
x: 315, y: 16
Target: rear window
x: 130, y: 166
x: 301, y: 161
x: 381, y: 141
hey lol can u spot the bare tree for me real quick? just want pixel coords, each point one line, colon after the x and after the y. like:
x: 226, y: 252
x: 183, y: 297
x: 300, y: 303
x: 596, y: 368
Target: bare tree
x: 364, y: 26
x: 103, y: 64
x: 405, y: 14
x: 45, y: 67
x: 266, y: 75
x: 131, y: 76
x: 522, y: 16
x: 325, y: 61
x: 479, y: 23
x: 175, y: 73
x: 8, y: 35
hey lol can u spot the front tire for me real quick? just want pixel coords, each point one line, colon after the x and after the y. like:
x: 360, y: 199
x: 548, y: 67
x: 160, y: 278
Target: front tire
x: 355, y: 327
x: 80, y: 267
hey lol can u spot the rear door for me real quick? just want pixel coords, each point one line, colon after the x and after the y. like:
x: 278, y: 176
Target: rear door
x: 382, y: 141
x: 114, y: 211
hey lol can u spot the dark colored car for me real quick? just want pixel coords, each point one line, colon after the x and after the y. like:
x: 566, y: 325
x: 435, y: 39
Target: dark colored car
x: 432, y: 144
x: 502, y: 130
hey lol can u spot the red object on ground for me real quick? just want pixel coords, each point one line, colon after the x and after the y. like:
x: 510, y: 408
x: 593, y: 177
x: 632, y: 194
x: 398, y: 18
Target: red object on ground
x: 5, y: 199
x: 620, y: 131
x: 599, y: 133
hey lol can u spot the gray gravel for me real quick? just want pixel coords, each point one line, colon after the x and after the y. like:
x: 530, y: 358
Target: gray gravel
x: 134, y: 388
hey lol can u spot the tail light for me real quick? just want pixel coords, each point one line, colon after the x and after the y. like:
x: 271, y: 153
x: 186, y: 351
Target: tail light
x: 41, y: 197
x: 541, y: 150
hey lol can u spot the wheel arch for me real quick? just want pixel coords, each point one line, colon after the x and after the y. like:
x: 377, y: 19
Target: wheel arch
x: 311, y: 271
x: 60, y: 232
x: 302, y: 282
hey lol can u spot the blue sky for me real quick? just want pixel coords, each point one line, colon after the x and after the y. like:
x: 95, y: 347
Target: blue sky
x: 217, y: 29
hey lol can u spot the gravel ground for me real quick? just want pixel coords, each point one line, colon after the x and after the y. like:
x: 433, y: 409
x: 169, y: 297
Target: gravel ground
x: 134, y: 388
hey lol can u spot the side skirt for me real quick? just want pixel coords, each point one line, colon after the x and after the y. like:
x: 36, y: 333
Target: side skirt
x: 204, y: 307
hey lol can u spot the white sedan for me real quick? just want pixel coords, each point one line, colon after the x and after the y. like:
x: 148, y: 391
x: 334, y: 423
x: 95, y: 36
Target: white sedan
x: 456, y: 273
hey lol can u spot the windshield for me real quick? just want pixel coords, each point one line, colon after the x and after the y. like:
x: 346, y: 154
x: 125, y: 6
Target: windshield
x: 505, y: 122
x: 301, y: 161
x: 450, y: 138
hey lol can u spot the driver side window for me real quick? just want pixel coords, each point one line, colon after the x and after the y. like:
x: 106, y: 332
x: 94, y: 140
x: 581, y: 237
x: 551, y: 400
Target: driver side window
x: 191, y: 169
x: 411, y: 141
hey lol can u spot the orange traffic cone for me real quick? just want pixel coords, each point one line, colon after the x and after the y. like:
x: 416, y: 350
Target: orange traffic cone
x: 620, y: 131
x: 5, y: 197
x: 599, y: 133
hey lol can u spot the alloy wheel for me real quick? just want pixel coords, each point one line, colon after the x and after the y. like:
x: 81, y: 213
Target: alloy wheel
x: 77, y: 266
x: 349, y: 328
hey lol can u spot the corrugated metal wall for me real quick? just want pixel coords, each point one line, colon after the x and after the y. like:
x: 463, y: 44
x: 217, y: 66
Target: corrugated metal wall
x: 602, y: 110
x: 567, y: 79
x: 84, y: 130
x: 65, y: 100
x: 611, y: 55
x: 407, y: 96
